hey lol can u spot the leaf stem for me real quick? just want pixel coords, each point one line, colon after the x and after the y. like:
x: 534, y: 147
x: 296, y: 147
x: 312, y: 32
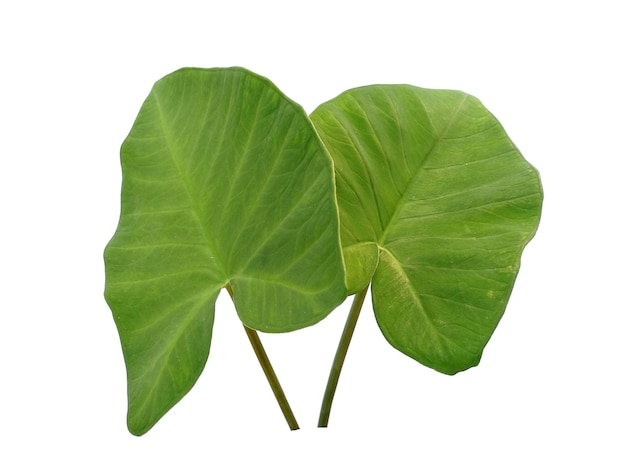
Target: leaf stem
x: 340, y: 356
x: 255, y: 341
x: 266, y: 365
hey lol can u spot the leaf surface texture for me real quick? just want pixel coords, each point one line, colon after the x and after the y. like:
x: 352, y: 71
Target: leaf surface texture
x: 225, y: 182
x: 436, y: 205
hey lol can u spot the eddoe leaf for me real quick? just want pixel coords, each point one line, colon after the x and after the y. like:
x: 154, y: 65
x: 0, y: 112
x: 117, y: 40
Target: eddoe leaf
x: 436, y: 205
x: 225, y: 183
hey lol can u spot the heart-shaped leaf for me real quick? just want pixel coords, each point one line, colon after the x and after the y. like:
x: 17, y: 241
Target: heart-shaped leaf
x: 436, y: 205
x: 225, y: 184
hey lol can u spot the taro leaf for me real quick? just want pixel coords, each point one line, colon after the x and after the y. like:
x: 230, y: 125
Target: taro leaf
x: 436, y: 205
x: 225, y: 182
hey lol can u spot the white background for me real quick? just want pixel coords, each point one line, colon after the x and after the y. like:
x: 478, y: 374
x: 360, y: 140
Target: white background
x: 550, y: 390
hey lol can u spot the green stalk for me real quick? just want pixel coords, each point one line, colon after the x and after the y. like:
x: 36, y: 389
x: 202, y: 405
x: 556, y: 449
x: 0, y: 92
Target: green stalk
x: 261, y: 355
x: 340, y: 356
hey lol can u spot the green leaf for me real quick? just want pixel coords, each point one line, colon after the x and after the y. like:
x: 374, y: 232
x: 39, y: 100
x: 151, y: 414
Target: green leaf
x: 436, y: 205
x: 225, y: 183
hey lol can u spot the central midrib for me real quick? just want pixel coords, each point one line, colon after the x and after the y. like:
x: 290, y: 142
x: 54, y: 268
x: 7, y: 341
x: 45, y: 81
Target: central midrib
x: 405, y: 195
x: 196, y: 210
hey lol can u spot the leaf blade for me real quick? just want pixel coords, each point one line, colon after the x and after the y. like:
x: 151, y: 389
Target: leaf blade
x: 218, y: 170
x: 431, y: 179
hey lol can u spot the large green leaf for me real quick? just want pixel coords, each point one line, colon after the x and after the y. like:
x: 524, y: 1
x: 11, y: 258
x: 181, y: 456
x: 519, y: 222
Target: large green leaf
x: 225, y: 183
x: 436, y: 205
